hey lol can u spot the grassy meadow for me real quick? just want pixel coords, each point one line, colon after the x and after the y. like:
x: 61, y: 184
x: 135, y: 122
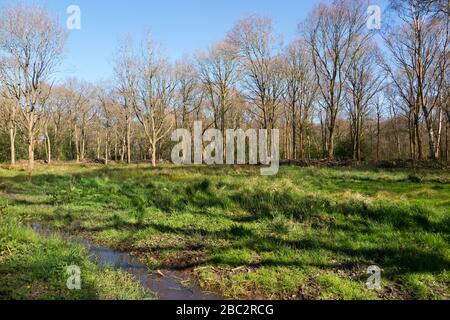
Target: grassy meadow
x: 306, y: 233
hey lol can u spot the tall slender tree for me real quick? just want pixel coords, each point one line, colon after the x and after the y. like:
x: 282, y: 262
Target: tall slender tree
x: 336, y: 34
x: 31, y: 46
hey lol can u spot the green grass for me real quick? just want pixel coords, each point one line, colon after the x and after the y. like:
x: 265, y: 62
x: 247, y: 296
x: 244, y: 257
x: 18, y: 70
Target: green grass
x: 32, y: 267
x: 303, y: 234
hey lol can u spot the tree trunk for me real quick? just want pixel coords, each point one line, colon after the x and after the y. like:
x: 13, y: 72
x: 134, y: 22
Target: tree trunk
x: 432, y: 143
x: 98, y: 146
x: 354, y: 146
x: 446, y: 143
x: 154, y: 156
x: 106, y: 148
x: 418, y: 137
x: 397, y: 136
x: 439, y: 136
x: 302, y: 145
x: 77, y: 145
x: 331, y: 132
x: 49, y: 146
x: 83, y: 147
x: 30, y: 152
x: 358, y: 148
x: 116, y: 149
x: 128, y: 141
x: 330, y: 144
x: 122, y: 152
x: 378, y: 137
x: 49, y: 149
x: 412, y: 151
x: 294, y: 138
x: 12, y: 140
x: 289, y: 150
x: 431, y: 135
x: 56, y: 142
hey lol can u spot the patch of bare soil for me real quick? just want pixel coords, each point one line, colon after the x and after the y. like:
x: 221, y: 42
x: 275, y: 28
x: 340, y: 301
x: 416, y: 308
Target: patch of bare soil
x: 394, y: 292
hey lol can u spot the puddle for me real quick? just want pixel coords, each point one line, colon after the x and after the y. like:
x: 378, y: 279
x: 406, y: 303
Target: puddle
x: 167, y: 287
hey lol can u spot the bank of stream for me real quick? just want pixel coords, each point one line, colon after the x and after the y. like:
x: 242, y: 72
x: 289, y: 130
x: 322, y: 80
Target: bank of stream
x: 164, y: 285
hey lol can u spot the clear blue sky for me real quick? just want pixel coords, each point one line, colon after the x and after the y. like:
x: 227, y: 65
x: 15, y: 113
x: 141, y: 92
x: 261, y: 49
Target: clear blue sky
x: 182, y: 27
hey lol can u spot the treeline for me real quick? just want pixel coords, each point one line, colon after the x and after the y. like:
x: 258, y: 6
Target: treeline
x: 340, y: 90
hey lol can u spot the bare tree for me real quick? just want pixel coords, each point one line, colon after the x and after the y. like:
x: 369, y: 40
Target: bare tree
x: 379, y: 114
x: 189, y: 93
x: 106, y: 114
x: 301, y: 92
x: 446, y: 107
x: 47, y: 115
x: 419, y: 48
x: 59, y: 113
x: 364, y: 81
x: 335, y: 34
x: 127, y: 77
x: 393, y: 102
x: 156, y: 93
x: 261, y: 65
x: 218, y: 74
x: 81, y: 96
x: 31, y: 45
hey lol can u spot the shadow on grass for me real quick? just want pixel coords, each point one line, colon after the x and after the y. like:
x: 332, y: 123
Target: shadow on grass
x: 42, y: 278
x: 201, y: 193
x: 403, y: 260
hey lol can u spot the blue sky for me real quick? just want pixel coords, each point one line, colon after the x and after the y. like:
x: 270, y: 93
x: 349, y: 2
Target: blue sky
x: 182, y: 27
